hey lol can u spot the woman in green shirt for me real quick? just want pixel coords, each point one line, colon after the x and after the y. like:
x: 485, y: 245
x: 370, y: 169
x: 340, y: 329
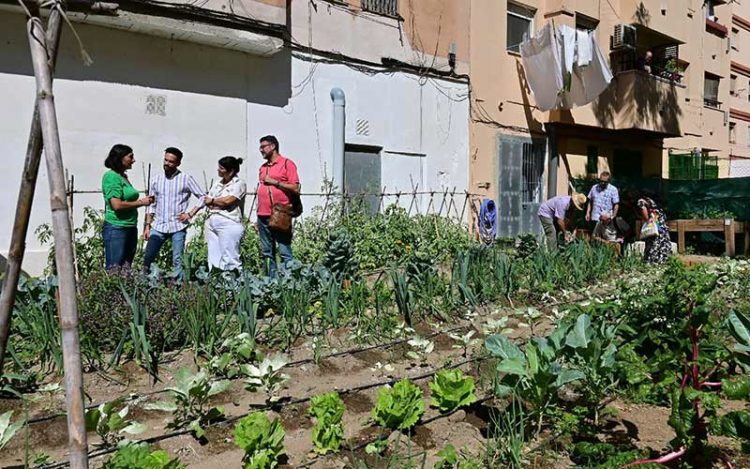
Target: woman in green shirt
x: 121, y: 204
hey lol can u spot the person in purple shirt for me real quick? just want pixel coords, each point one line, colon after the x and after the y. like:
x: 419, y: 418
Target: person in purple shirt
x: 555, y: 213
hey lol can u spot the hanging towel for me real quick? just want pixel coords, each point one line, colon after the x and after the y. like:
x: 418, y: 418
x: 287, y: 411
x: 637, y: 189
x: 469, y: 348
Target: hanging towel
x: 540, y: 56
x: 584, y: 42
x: 487, y: 221
x: 568, y: 37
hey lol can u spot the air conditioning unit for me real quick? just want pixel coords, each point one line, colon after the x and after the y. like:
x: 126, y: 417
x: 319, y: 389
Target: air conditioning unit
x: 624, y: 37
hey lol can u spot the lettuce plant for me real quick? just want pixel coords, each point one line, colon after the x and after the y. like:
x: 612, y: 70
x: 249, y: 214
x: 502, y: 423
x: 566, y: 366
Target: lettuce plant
x: 141, y: 457
x: 261, y: 439
x: 399, y: 407
x: 451, y: 390
x: 328, y: 432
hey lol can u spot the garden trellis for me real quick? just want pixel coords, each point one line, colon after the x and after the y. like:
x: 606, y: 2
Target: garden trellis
x: 44, y: 133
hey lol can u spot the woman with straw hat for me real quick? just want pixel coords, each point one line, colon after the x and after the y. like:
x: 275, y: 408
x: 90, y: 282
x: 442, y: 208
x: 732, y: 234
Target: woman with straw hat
x: 554, y: 214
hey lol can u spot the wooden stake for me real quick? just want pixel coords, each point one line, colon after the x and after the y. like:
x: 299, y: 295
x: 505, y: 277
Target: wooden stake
x: 25, y: 198
x: 61, y: 230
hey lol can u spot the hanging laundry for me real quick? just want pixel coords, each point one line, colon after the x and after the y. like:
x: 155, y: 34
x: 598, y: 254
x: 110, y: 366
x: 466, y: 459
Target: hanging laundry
x: 584, y: 43
x: 564, y: 69
x: 541, y: 62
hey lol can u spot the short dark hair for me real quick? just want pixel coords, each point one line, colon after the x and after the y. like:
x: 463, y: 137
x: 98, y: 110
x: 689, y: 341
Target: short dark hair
x: 116, y: 154
x: 174, y: 151
x: 271, y: 139
x: 231, y: 163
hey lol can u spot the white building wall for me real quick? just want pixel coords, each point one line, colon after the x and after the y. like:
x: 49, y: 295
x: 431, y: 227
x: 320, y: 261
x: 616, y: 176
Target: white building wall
x: 217, y: 102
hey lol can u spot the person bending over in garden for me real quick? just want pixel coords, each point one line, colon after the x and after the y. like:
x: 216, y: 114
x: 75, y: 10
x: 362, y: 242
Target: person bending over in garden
x: 658, y: 247
x: 224, y: 228
x: 556, y: 214
x: 611, y: 231
x: 121, y: 202
x: 168, y: 218
x: 279, y: 185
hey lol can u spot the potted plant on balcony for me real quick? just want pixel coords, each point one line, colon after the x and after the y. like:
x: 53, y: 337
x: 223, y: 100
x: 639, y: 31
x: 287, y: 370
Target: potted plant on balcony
x: 673, y: 71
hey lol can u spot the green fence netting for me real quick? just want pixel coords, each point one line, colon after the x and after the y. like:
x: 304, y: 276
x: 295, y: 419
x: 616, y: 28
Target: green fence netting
x: 713, y: 198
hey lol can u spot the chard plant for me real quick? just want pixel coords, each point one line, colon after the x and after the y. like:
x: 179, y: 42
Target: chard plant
x: 592, y: 351
x: 262, y: 441
x: 464, y: 342
x: 190, y: 406
x: 233, y: 353
x: 399, y: 407
x: 451, y: 390
x: 328, y: 432
x: 110, y: 423
x: 421, y: 347
x: 7, y: 429
x: 267, y: 376
x: 534, y: 375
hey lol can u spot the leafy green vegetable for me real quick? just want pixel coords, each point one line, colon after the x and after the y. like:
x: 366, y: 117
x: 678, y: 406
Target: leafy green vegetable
x: 110, y: 423
x: 7, y: 429
x: 399, y: 407
x: 190, y: 405
x: 261, y: 439
x: 451, y: 389
x: 328, y: 432
x: 141, y: 457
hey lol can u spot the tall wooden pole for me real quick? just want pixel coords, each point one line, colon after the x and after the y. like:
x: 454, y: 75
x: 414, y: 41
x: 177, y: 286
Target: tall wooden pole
x: 25, y: 198
x: 62, y: 232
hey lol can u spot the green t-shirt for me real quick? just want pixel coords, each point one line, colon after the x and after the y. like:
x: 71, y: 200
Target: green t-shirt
x: 114, y: 185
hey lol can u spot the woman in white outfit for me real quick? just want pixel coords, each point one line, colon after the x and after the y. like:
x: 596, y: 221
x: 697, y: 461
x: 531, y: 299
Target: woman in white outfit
x: 225, y: 228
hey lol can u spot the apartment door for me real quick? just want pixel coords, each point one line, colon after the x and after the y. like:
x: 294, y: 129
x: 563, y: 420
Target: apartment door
x: 627, y: 163
x: 521, y: 176
x: 362, y: 176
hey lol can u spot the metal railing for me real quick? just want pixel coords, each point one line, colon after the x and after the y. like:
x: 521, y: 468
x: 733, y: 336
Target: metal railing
x: 382, y: 7
x: 712, y: 103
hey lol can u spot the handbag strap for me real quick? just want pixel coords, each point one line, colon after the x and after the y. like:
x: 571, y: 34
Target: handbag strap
x: 270, y: 192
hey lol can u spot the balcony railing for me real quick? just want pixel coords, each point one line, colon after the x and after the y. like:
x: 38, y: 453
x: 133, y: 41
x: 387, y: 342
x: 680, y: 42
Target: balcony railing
x: 712, y: 103
x: 381, y: 7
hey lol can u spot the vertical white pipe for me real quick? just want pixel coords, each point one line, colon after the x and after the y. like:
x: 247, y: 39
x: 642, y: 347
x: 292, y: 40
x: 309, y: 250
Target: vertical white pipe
x: 339, y: 136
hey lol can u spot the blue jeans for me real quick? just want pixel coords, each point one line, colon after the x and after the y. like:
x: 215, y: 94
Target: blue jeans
x: 155, y: 241
x: 120, y: 243
x: 269, y: 240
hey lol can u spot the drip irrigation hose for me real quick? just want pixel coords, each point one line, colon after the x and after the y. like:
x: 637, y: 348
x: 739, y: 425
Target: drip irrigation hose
x: 265, y: 407
x: 295, y: 363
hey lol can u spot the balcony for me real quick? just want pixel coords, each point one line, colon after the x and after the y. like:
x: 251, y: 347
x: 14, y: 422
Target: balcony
x: 637, y: 100
x: 381, y: 7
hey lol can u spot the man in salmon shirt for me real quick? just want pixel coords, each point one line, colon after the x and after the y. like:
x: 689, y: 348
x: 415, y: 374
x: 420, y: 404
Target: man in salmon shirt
x: 278, y: 180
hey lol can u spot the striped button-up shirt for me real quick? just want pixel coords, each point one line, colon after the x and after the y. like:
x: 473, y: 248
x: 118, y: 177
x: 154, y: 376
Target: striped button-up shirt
x: 172, y: 196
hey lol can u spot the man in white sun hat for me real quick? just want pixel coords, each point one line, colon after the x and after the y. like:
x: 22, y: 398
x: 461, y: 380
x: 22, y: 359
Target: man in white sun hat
x: 556, y: 215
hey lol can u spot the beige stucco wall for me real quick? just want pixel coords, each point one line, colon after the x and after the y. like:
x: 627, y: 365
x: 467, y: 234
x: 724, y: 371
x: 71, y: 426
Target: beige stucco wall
x: 740, y: 54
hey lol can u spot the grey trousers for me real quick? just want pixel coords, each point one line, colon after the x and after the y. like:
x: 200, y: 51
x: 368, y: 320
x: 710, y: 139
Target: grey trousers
x: 550, y: 233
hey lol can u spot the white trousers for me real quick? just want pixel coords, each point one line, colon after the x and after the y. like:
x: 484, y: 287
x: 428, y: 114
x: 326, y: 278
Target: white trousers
x: 223, y: 238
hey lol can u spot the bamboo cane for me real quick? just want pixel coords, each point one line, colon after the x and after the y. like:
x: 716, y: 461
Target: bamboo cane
x: 61, y: 229
x: 25, y: 198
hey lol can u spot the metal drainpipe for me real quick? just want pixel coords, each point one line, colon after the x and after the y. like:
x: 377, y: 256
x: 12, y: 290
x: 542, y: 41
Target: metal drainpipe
x: 554, y: 159
x: 339, y: 127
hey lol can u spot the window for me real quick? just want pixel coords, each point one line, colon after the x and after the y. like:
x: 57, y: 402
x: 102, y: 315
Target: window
x: 711, y: 91
x: 732, y: 132
x: 592, y: 159
x: 748, y: 135
x: 734, y: 39
x: 585, y: 23
x: 532, y: 172
x: 520, y: 26
x: 382, y: 7
x: 362, y: 177
x: 732, y: 85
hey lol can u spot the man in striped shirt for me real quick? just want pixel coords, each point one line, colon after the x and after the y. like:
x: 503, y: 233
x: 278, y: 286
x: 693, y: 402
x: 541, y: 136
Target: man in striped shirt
x: 168, y: 218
